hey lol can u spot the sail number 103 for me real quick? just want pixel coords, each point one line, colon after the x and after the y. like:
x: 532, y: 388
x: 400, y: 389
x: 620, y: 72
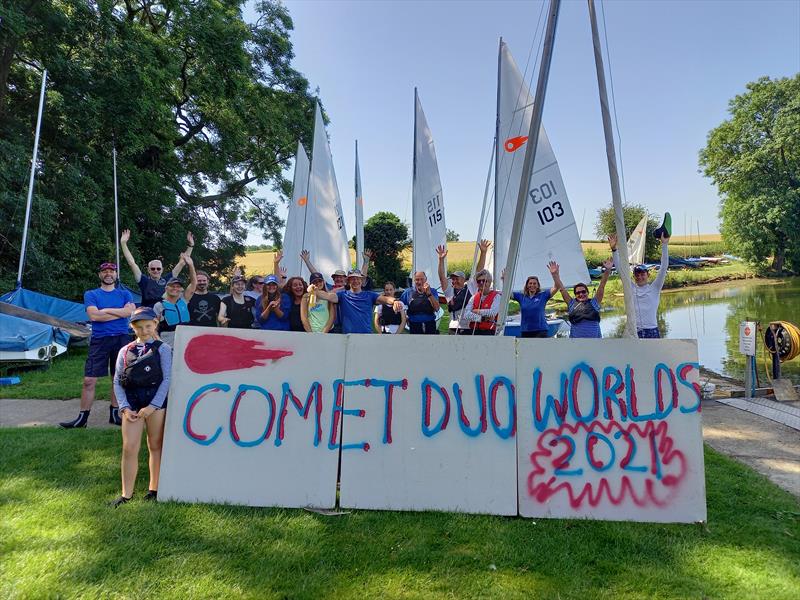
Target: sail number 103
x: 435, y: 214
x: 544, y: 192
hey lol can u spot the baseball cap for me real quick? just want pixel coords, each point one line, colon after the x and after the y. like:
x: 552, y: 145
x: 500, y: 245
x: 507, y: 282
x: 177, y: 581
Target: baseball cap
x: 340, y: 272
x: 270, y: 279
x: 143, y: 313
x: 354, y: 273
x: 175, y: 280
x: 107, y: 265
x: 458, y: 274
x: 640, y: 269
x: 316, y: 276
x: 237, y: 278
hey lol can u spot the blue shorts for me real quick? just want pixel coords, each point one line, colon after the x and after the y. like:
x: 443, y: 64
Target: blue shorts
x: 103, y: 352
x: 648, y: 333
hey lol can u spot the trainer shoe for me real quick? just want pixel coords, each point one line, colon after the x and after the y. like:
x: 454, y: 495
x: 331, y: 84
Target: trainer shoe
x: 113, y: 415
x: 665, y: 229
x: 119, y: 502
x: 81, y: 421
x: 151, y: 495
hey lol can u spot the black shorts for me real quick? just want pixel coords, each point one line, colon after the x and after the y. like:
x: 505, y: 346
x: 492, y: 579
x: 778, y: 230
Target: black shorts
x: 103, y: 352
x: 423, y: 327
x: 138, y: 405
x: 535, y: 334
x: 481, y: 332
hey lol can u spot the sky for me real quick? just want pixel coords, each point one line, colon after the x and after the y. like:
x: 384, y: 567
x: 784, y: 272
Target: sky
x: 675, y: 65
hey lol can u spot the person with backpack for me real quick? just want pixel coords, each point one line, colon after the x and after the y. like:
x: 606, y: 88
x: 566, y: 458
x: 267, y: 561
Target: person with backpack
x: 141, y: 383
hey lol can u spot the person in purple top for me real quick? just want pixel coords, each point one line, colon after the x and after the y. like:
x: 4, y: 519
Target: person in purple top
x: 109, y: 309
x: 355, y: 305
x: 273, y: 307
x: 584, y: 312
x: 532, y: 302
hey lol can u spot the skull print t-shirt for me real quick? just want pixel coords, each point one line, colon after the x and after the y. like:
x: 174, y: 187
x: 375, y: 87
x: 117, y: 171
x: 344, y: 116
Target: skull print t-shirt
x: 203, y: 310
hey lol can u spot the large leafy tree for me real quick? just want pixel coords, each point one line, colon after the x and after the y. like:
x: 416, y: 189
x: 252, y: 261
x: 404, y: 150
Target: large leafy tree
x: 387, y: 236
x: 754, y: 160
x: 204, y: 109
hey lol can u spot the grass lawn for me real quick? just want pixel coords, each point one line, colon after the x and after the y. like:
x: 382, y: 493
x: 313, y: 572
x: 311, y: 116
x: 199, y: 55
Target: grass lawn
x: 59, y: 539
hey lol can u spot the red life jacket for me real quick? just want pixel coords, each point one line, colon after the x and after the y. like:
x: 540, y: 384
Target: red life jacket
x: 481, y: 301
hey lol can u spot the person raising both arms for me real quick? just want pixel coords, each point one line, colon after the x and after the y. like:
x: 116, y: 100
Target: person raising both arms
x: 456, y: 290
x: 584, y: 312
x: 317, y: 315
x: 203, y: 305
x: 236, y: 309
x: 532, y: 302
x: 355, y: 305
x: 109, y: 308
x: 173, y: 310
x: 385, y: 318
x: 141, y: 382
x: 422, y: 303
x: 152, y: 285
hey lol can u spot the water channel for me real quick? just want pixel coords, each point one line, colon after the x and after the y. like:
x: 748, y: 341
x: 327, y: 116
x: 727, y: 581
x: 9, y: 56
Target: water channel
x: 711, y: 314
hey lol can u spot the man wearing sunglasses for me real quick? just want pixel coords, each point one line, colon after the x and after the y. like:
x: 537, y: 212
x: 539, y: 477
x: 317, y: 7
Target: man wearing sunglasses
x: 154, y: 284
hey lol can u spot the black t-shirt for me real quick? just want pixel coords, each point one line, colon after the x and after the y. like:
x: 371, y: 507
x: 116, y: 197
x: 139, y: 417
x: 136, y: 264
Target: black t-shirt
x: 295, y: 322
x: 240, y: 315
x: 152, y: 290
x: 203, y: 309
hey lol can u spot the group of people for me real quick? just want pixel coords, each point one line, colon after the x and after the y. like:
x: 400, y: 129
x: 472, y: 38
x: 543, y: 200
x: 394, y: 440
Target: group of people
x: 141, y: 368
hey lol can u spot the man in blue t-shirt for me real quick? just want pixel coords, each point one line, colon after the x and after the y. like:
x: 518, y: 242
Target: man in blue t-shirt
x: 422, y: 304
x: 154, y: 284
x: 109, y: 309
x: 355, y: 305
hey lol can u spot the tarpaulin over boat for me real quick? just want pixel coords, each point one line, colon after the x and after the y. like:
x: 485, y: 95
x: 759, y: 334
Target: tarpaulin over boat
x: 21, y: 335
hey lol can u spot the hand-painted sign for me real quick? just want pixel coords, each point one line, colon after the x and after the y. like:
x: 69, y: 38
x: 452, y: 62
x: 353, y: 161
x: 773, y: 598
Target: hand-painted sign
x: 606, y: 429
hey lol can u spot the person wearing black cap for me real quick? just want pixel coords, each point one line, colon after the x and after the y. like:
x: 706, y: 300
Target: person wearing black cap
x: 236, y: 310
x: 152, y: 285
x: 141, y: 382
x: 456, y: 291
x: 109, y: 308
x: 173, y: 309
x: 317, y: 315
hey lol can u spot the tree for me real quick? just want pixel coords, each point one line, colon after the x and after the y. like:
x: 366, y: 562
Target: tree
x: 452, y: 236
x: 754, y: 160
x: 202, y: 107
x: 387, y: 236
x: 632, y: 214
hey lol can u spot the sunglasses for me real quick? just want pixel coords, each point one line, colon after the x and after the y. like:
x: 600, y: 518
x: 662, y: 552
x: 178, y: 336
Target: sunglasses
x: 156, y: 269
x: 480, y: 281
x: 258, y: 283
x: 582, y: 293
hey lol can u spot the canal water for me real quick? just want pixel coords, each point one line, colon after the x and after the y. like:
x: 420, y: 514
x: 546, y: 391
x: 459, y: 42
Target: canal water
x: 711, y: 314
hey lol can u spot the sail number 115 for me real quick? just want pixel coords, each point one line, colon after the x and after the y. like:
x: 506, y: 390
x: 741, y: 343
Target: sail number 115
x: 544, y: 192
x: 435, y: 210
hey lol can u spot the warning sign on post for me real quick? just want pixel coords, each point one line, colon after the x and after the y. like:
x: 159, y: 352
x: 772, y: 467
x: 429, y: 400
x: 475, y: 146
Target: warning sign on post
x: 747, y: 338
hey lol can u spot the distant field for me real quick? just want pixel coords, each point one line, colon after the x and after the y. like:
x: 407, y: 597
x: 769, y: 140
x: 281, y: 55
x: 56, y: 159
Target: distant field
x: 461, y: 252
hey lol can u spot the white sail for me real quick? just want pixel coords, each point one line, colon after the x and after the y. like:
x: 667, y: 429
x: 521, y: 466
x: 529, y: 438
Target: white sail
x: 636, y: 243
x: 359, y: 214
x: 294, y: 235
x: 550, y: 232
x: 428, y: 227
x: 326, y: 238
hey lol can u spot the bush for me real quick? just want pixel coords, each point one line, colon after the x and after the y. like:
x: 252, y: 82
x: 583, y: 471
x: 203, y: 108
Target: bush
x: 632, y: 214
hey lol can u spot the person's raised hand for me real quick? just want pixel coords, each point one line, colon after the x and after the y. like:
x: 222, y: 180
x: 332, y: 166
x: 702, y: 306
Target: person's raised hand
x: 664, y: 238
x: 190, y: 238
x: 484, y: 245
x: 612, y: 241
x: 278, y: 256
x: 311, y: 288
x: 187, y: 259
x: 305, y: 254
x: 369, y: 254
x: 126, y: 236
x: 441, y: 251
x: 552, y: 266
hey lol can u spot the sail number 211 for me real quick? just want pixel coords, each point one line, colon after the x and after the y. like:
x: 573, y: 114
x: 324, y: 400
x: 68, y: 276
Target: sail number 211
x: 544, y: 192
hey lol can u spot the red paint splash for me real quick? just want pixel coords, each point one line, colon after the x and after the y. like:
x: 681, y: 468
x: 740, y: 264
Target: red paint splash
x: 207, y: 354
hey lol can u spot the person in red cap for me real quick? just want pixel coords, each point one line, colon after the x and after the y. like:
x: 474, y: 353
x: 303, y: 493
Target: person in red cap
x: 109, y: 309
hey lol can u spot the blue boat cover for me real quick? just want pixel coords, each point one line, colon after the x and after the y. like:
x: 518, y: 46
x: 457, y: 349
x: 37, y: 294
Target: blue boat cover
x: 48, y: 305
x: 20, y: 335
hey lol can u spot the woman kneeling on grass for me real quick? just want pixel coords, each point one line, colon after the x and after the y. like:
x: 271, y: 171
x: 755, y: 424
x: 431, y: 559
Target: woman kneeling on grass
x: 141, y: 382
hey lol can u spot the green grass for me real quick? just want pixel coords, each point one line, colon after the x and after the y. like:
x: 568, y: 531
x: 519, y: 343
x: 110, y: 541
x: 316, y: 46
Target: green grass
x: 62, y: 380
x: 59, y: 539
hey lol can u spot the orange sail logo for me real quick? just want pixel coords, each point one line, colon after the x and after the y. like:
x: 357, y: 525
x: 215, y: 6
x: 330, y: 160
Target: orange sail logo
x: 514, y: 143
x: 302, y: 201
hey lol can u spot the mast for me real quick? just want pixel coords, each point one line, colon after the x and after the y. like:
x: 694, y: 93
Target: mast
x: 619, y: 221
x: 496, y: 154
x: 530, y: 156
x: 359, y: 214
x: 30, y: 182
x: 413, y: 182
x: 116, y: 205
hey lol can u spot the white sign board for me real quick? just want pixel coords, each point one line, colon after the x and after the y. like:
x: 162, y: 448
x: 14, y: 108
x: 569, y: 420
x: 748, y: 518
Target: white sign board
x: 248, y: 420
x: 610, y: 429
x: 429, y: 424
x: 747, y: 338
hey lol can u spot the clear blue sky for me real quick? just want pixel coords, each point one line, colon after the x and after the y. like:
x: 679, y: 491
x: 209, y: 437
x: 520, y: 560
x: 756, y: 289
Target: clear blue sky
x: 675, y: 65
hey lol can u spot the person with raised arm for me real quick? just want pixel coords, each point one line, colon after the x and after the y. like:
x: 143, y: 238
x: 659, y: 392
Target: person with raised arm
x: 355, y: 305
x: 153, y: 286
x: 455, y: 288
x: 421, y: 304
x: 584, y: 312
x: 173, y: 309
x: 481, y: 311
x: 317, y: 315
x: 532, y: 302
x: 646, y: 294
x: 109, y: 307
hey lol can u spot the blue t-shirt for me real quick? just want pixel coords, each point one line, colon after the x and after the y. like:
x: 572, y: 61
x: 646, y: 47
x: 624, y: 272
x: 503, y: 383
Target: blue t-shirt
x: 356, y: 310
x: 585, y: 329
x: 152, y: 289
x: 532, y: 310
x: 274, y: 322
x: 424, y: 317
x: 116, y: 298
